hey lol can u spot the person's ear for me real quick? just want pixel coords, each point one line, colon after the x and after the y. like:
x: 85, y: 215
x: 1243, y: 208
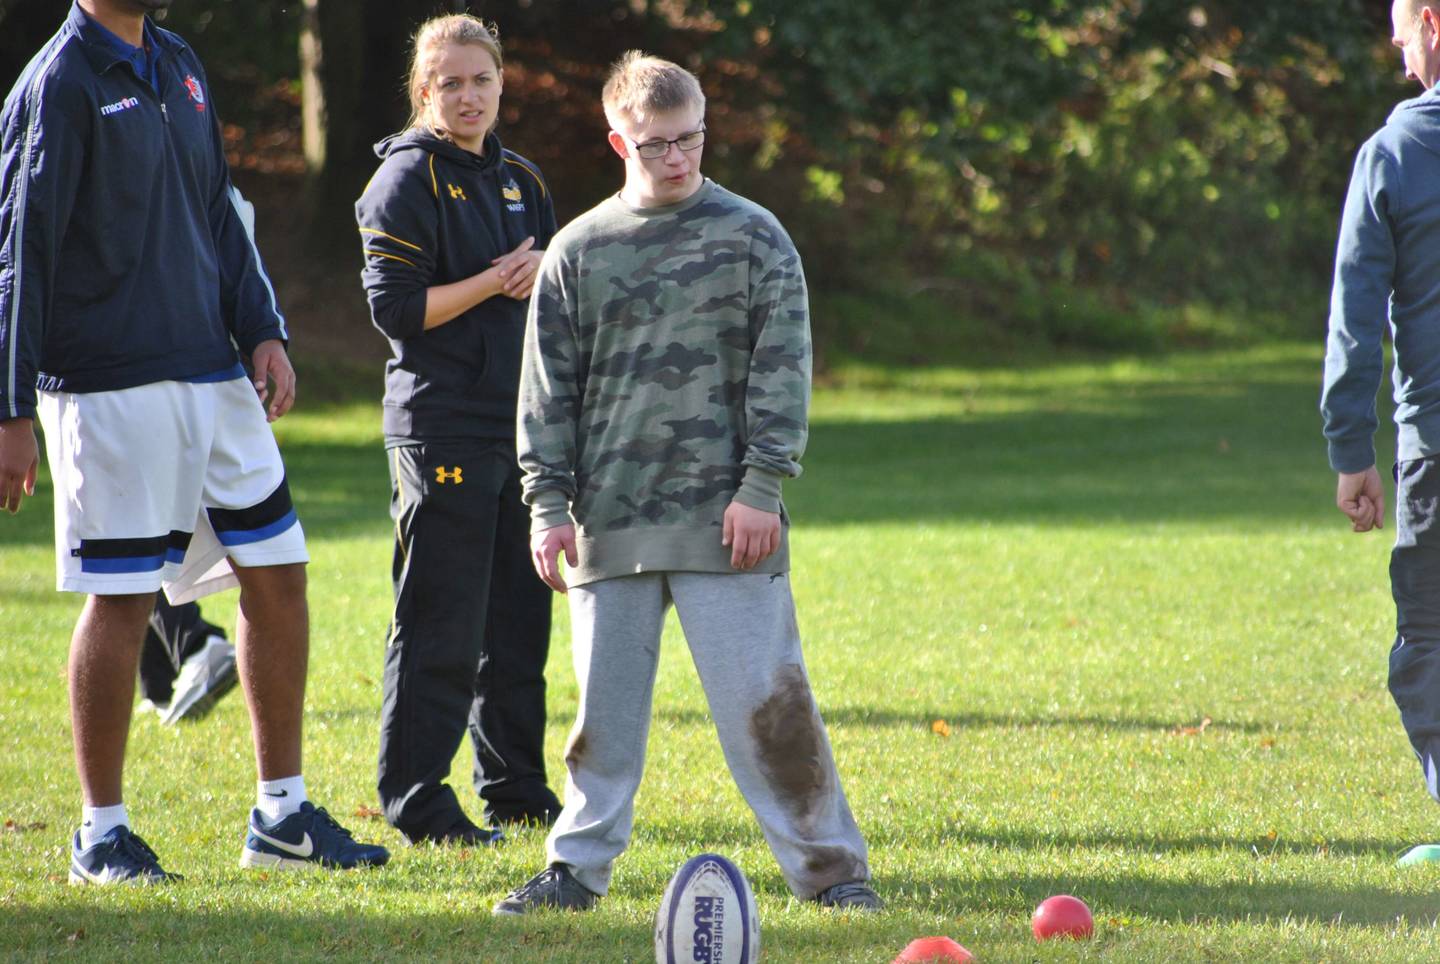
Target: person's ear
x: 618, y: 145
x: 1429, y: 18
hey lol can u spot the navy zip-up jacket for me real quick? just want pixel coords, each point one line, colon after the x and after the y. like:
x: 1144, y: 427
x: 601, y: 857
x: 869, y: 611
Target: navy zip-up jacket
x: 433, y: 214
x: 123, y: 260
x: 1387, y: 269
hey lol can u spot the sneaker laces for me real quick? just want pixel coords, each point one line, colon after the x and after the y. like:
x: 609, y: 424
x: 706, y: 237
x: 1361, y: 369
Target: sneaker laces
x: 840, y: 893
x: 131, y: 845
x: 540, y: 882
x: 332, y: 824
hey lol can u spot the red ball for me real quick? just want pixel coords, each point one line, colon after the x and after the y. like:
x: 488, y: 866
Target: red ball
x: 1062, y: 916
x: 926, y: 950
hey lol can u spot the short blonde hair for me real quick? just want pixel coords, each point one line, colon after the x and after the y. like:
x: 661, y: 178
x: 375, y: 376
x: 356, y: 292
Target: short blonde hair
x: 1410, y: 9
x: 641, y: 86
x: 436, y: 33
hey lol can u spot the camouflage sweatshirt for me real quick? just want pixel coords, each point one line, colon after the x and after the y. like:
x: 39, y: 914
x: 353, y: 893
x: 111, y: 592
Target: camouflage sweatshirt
x: 666, y: 373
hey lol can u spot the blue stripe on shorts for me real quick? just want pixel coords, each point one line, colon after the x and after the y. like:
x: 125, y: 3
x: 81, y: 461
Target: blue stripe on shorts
x: 242, y: 537
x: 147, y: 554
x: 131, y: 564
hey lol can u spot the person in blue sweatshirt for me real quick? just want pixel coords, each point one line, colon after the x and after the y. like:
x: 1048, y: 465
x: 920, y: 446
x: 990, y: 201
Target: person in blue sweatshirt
x: 453, y: 227
x: 1387, y: 271
x: 130, y: 288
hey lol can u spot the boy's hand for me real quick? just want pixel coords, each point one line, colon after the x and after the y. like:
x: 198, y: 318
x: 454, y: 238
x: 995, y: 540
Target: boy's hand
x: 545, y: 547
x: 19, y: 458
x: 753, y: 534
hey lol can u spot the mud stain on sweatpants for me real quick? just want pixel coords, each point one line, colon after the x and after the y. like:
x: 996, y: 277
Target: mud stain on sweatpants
x: 786, y: 730
x: 833, y: 865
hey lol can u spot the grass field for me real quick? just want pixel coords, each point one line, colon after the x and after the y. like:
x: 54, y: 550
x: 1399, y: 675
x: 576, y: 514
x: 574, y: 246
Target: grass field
x: 1091, y: 628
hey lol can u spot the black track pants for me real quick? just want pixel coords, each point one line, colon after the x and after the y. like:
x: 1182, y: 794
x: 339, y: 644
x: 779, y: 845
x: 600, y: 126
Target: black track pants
x: 468, y: 641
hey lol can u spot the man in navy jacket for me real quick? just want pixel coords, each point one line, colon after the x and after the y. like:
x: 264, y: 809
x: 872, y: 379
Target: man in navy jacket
x: 129, y: 292
x: 1388, y: 270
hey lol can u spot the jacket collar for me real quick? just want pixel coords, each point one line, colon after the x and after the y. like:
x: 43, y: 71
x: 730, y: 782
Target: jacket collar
x: 419, y: 138
x: 102, y: 54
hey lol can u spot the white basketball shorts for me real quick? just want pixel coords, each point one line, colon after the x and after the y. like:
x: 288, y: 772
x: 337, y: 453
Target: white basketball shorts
x: 163, y: 485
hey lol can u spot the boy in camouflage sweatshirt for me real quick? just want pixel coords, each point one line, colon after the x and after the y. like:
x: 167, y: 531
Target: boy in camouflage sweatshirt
x: 663, y: 400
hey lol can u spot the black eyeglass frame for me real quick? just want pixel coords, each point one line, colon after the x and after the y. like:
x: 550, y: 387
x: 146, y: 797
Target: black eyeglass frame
x: 647, y: 149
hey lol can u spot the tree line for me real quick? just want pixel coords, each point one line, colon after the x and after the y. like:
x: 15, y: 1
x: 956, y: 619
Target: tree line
x: 1096, y: 173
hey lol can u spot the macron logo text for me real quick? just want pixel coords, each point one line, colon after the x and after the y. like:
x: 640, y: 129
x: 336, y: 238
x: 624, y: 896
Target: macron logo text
x: 118, y: 106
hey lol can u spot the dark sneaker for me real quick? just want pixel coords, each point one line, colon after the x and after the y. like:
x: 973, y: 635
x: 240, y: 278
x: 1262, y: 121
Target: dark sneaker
x: 539, y: 809
x: 462, y: 833
x: 524, y: 818
x: 308, y: 838
x: 204, y: 677
x: 119, y: 857
x: 853, y: 895
x: 553, y: 887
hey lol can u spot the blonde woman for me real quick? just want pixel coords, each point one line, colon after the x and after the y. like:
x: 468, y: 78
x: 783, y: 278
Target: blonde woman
x: 453, y: 227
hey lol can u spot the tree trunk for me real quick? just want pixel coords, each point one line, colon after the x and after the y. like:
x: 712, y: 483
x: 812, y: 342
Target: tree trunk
x: 332, y: 55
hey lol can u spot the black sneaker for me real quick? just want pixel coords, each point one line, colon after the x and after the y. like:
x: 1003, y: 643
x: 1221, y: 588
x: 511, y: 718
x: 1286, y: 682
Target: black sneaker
x: 524, y: 818
x: 462, y: 833
x: 539, y: 809
x: 119, y: 857
x: 553, y: 887
x: 852, y: 895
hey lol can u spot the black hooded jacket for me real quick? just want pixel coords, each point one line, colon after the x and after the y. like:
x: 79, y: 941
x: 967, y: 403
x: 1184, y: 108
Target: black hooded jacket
x: 433, y: 214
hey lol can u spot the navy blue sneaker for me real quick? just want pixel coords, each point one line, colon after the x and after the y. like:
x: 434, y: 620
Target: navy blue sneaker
x: 308, y: 838
x: 119, y: 857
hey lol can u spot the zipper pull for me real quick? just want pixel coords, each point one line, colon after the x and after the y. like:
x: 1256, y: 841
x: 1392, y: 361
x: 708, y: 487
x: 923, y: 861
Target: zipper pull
x: 164, y: 112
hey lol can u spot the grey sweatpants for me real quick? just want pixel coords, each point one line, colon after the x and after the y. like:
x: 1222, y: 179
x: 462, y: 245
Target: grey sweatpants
x: 746, y: 647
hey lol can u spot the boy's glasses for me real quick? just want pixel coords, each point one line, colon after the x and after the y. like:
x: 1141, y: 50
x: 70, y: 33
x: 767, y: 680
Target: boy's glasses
x: 651, y: 150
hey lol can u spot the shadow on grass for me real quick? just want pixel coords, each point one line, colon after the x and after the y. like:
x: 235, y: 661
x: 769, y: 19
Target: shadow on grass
x: 888, y: 835
x: 853, y: 715
x: 169, y: 930
x: 1245, y: 448
x: 1185, y: 902
x: 1252, y: 849
x: 1171, y: 452
x: 178, y: 934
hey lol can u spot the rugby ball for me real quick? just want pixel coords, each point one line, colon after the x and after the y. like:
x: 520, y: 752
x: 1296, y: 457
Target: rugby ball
x: 707, y: 915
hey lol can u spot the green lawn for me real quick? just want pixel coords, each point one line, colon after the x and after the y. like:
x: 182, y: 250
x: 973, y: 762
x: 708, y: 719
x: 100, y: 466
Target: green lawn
x: 1091, y: 628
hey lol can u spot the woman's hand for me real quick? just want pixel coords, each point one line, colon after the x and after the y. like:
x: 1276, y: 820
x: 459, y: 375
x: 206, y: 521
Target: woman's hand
x: 517, y: 269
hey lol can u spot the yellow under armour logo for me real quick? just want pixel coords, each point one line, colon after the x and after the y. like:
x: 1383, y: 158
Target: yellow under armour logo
x: 453, y: 475
x: 457, y: 193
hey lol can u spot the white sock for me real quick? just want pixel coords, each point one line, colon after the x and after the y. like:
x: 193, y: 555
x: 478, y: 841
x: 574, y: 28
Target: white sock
x: 277, y: 799
x: 96, y: 822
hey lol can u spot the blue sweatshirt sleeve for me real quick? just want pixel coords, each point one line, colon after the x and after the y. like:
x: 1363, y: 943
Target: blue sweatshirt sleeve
x: 1359, y: 310
x: 247, y: 298
x: 44, y: 132
x: 399, y: 236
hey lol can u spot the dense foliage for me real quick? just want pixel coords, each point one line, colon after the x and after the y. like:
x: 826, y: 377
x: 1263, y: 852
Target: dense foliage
x: 1048, y: 162
x: 1093, y: 172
